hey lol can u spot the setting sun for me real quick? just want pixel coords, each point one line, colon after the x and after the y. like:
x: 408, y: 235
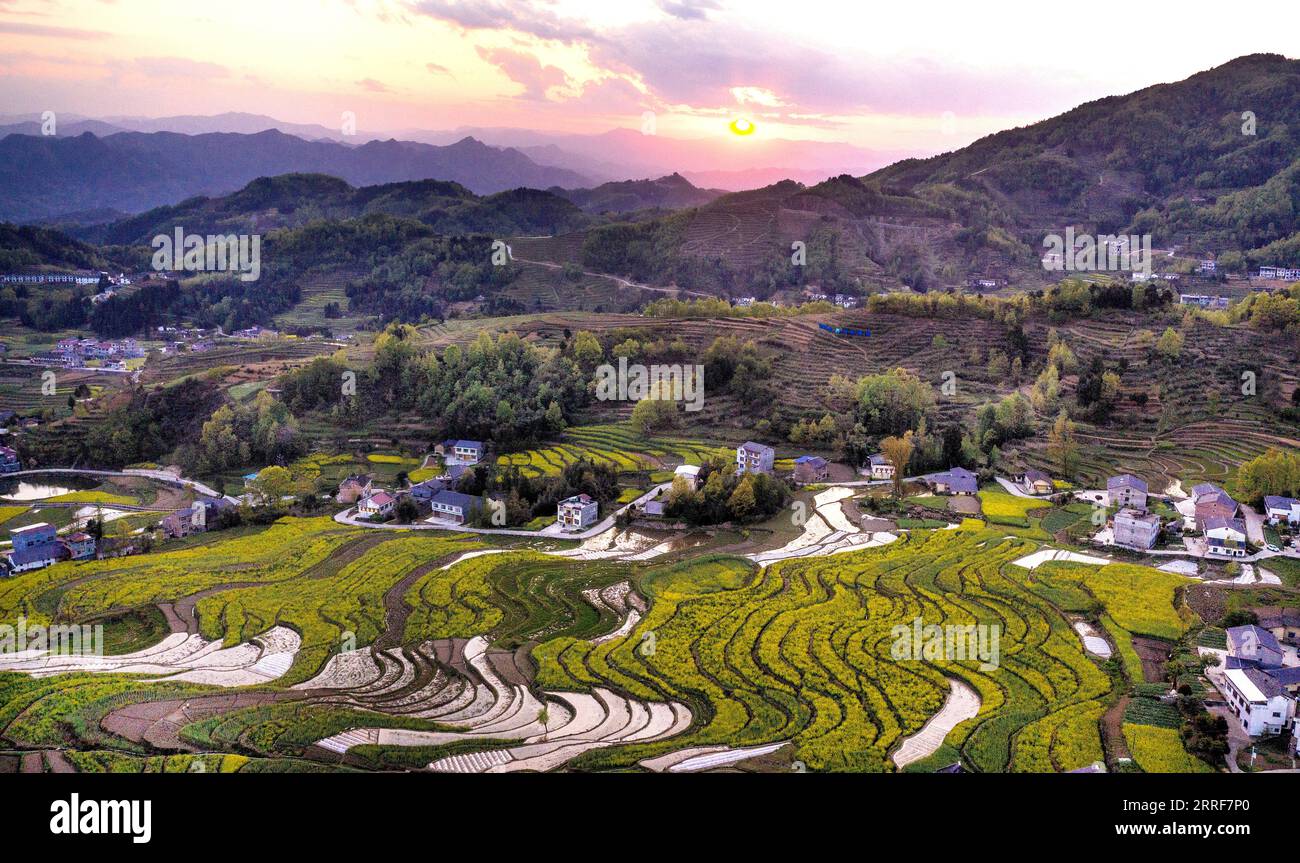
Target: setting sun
x: 742, y: 126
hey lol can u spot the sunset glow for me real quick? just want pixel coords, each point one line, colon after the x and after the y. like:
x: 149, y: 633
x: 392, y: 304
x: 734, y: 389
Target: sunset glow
x: 579, y: 66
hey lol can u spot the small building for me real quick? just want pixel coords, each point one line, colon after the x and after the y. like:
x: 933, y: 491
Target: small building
x: 577, y: 513
x: 1225, y: 537
x: 1284, y: 623
x: 1212, y: 502
x: 1203, y: 301
x: 36, y: 557
x: 954, y: 481
x: 653, y: 509
x: 811, y: 468
x: 1209, y: 266
x: 1136, y: 529
x: 9, y: 462
x: 1127, y: 492
x: 202, y: 515
x: 1254, y: 644
x: 1285, y: 274
x: 354, y: 488
x: 377, y: 505
x: 754, y: 458
x: 423, y: 492
x: 80, y: 545
x: 688, y: 472
x: 881, y: 467
x: 34, y: 547
x: 452, y: 474
x: 461, y: 452
x: 1280, y: 510
x: 32, y: 535
x: 454, y: 506
x: 1036, y: 482
x: 177, y: 524
x: 1260, y: 703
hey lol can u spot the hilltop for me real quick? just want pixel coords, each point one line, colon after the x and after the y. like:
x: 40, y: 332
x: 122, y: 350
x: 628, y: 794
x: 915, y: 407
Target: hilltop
x: 44, y: 177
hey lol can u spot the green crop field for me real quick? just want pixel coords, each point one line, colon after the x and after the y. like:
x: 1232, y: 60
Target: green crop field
x: 619, y: 445
x: 801, y: 650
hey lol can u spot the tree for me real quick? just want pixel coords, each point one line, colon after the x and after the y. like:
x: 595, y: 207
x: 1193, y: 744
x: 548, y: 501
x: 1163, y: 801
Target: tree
x: 893, y: 402
x: 1061, y: 445
x: 1046, y: 390
x: 899, y: 452
x: 586, y: 350
x: 272, y: 483
x: 743, y: 501
x: 1170, y: 344
x: 657, y: 411
x: 406, y: 511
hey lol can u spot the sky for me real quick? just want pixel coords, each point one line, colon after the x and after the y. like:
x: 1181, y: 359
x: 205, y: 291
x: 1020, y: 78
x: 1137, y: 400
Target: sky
x: 917, y: 76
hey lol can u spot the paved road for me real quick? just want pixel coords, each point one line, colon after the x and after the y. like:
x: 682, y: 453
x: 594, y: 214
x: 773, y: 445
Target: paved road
x: 622, y: 281
x: 1254, y: 524
x: 553, y: 531
x: 1016, y: 490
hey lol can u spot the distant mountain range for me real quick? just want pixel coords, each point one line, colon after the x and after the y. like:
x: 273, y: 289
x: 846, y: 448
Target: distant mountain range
x: 44, y: 178
x: 724, y: 162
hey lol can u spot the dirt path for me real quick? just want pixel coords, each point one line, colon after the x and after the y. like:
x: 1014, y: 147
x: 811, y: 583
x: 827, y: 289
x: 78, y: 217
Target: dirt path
x: 396, y: 608
x: 1112, y: 731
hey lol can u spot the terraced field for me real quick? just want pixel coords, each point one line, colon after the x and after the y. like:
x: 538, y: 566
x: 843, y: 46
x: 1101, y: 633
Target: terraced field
x: 618, y: 445
x: 800, y: 652
x: 489, y: 660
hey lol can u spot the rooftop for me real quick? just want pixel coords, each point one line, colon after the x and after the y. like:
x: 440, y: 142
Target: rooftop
x: 1126, y: 480
x: 1251, y: 636
x: 31, y: 528
x: 455, y: 499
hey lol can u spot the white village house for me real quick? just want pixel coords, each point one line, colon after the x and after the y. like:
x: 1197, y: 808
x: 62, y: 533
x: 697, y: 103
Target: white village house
x: 688, y: 472
x: 577, y: 513
x: 377, y: 505
x: 1136, y: 530
x: 453, y: 505
x: 1279, y: 510
x: 1225, y: 537
x: 754, y: 458
x: 460, y: 452
x: 881, y: 468
x: 1258, y: 701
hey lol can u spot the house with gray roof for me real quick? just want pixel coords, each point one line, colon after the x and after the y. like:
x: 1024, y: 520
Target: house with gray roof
x: 881, y: 467
x: 754, y: 457
x: 1260, y: 704
x: 1225, y: 537
x: 954, y: 481
x: 1212, y: 502
x: 810, y: 469
x: 1254, y: 644
x: 454, y: 506
x: 1282, y: 510
x: 1126, y: 491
